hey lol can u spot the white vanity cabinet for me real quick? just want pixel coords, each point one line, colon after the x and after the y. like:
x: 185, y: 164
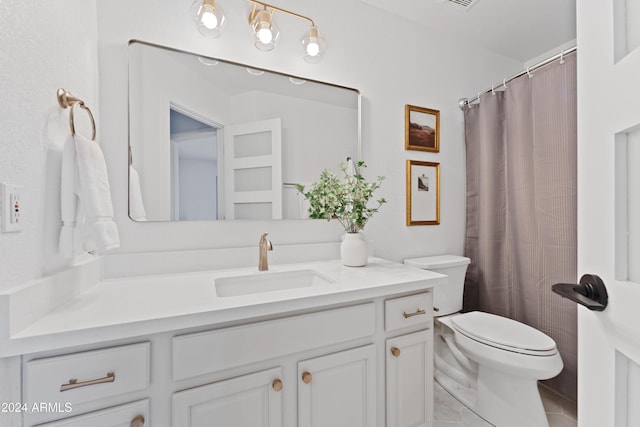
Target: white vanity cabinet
x: 135, y: 414
x: 64, y: 386
x: 356, y: 351
x: 409, y: 362
x: 339, y: 389
x: 246, y: 401
x: 409, y: 375
x: 335, y: 389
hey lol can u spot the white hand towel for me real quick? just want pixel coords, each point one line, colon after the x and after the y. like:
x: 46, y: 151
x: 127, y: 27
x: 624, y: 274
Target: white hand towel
x: 136, y: 205
x: 70, y: 242
x: 100, y: 231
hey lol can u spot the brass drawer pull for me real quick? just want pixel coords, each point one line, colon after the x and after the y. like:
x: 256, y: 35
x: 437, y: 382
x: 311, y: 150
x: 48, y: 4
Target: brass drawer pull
x: 277, y: 384
x: 418, y: 312
x: 395, y: 351
x: 306, y: 377
x: 73, y: 382
x: 138, y: 421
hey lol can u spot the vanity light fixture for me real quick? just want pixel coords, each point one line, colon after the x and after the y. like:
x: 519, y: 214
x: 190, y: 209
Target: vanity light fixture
x: 264, y: 28
x: 266, y: 32
x: 314, y: 45
x: 209, y: 17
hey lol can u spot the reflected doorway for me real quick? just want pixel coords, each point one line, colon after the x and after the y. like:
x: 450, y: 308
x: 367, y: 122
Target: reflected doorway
x: 195, y: 169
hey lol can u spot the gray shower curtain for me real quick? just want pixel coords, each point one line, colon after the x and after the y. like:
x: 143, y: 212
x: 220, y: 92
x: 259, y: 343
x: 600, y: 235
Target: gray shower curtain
x: 521, y: 206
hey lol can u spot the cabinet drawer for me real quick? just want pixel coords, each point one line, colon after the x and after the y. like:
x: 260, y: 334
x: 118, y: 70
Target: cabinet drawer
x: 408, y: 311
x: 122, y: 415
x: 88, y: 376
x: 213, y: 351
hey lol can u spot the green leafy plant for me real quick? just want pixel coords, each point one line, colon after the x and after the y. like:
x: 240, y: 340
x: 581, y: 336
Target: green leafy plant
x: 343, y: 198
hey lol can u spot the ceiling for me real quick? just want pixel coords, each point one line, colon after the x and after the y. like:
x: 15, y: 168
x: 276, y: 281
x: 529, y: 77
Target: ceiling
x: 518, y: 29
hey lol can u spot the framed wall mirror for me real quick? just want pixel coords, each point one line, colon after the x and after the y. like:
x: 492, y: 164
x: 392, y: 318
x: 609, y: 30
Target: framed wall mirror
x: 215, y: 140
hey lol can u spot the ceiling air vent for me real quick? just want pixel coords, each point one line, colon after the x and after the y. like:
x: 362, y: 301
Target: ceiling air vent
x: 466, y: 4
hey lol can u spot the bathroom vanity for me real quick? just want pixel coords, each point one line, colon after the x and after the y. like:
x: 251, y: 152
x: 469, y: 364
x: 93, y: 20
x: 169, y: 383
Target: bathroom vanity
x: 310, y: 344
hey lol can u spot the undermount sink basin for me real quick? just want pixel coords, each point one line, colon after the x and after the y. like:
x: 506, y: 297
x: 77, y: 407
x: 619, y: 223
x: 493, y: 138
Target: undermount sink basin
x: 258, y: 283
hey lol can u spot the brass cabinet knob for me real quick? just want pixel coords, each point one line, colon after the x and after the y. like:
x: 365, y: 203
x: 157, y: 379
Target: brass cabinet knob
x: 138, y: 421
x: 306, y: 377
x: 395, y: 351
x: 277, y: 384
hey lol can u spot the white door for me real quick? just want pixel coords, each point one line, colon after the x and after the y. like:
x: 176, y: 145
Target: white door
x: 338, y: 390
x: 253, y: 400
x: 609, y: 210
x: 253, y: 170
x: 410, y: 380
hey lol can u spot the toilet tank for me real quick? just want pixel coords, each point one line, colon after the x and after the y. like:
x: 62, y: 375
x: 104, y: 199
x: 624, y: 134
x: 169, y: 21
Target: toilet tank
x: 446, y: 298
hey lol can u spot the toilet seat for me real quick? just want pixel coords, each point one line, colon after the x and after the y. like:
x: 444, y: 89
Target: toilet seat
x: 504, y: 333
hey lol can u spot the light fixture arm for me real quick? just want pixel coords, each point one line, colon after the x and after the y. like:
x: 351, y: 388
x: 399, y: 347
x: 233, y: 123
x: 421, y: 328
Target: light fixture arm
x: 274, y: 8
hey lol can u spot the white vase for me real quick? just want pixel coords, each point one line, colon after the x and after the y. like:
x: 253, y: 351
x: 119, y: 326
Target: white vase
x: 353, y: 250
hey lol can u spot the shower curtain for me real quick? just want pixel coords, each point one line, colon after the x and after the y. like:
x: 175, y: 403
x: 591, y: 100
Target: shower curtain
x: 521, y: 206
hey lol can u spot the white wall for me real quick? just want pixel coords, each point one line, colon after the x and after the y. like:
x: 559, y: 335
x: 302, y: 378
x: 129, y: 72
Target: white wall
x: 401, y: 64
x: 44, y: 46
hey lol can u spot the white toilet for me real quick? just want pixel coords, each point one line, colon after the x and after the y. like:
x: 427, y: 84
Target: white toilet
x: 489, y: 363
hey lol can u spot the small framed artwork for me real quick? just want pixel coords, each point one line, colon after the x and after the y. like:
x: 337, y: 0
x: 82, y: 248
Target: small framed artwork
x: 423, y: 193
x: 421, y: 129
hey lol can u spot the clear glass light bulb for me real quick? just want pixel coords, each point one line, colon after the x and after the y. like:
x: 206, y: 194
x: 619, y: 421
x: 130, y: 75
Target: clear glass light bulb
x: 209, y: 19
x: 313, y: 48
x: 265, y: 35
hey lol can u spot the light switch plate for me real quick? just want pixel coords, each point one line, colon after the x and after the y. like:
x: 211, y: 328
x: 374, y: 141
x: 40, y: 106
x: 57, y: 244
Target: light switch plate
x: 11, y: 208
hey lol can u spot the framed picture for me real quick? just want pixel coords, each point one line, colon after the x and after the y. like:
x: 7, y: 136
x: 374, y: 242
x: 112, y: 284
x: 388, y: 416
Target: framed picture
x: 423, y: 193
x: 421, y: 129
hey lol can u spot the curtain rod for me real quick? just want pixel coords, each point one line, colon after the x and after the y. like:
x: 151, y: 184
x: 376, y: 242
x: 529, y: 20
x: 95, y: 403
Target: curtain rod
x: 465, y: 102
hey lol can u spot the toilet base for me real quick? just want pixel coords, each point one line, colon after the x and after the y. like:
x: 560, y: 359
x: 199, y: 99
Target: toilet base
x: 506, y: 401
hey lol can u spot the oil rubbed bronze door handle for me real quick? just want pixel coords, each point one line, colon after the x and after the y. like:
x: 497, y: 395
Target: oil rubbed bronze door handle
x: 591, y: 292
x: 74, y: 383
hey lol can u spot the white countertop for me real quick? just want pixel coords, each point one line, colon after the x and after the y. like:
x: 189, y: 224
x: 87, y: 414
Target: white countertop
x: 129, y: 307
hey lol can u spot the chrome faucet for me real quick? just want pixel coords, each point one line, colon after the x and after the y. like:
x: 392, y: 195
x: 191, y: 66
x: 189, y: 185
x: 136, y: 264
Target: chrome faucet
x: 264, y: 245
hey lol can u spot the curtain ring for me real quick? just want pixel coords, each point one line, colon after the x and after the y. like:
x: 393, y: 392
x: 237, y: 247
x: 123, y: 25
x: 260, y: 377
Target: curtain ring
x: 562, y: 56
x: 71, y: 119
x: 529, y: 73
x: 504, y: 83
x: 493, y: 91
x: 478, y: 97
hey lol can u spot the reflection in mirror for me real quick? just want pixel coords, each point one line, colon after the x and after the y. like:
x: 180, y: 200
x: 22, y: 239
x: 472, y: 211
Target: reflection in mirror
x: 214, y: 140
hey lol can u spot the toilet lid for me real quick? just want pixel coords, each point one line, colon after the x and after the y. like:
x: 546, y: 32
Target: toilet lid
x: 504, y: 333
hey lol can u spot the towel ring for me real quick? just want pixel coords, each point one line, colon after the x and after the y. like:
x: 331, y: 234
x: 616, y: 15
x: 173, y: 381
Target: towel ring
x: 93, y: 122
x: 67, y: 100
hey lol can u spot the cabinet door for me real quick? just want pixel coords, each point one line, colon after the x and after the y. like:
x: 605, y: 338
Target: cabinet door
x: 253, y: 400
x: 134, y: 414
x: 338, y: 390
x: 410, y: 380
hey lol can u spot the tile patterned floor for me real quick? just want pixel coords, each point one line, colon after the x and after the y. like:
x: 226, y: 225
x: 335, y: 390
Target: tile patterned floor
x: 561, y: 412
